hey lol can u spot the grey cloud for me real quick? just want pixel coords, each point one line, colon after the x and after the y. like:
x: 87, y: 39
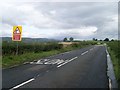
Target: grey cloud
x: 70, y: 15
x: 13, y: 17
x: 74, y: 15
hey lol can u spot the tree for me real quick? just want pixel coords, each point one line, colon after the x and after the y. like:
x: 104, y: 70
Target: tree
x: 112, y: 40
x: 106, y: 39
x: 71, y: 39
x: 94, y: 39
x: 65, y: 39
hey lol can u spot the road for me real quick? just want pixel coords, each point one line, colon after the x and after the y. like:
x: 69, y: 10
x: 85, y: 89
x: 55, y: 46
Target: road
x: 83, y: 68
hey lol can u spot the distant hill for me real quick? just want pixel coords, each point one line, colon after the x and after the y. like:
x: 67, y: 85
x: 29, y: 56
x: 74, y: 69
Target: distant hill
x: 30, y: 40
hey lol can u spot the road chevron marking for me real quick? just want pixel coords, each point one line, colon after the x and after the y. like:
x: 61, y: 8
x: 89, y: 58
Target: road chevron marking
x: 67, y: 62
x: 84, y: 52
x: 22, y: 84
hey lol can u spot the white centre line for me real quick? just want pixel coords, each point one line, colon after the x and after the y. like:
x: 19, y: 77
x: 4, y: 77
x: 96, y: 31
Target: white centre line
x: 72, y: 59
x: 66, y: 62
x: 67, y: 52
x: 22, y: 84
x: 62, y: 64
x: 84, y: 52
x: 91, y: 49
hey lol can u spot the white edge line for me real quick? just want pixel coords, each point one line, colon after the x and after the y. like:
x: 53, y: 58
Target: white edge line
x: 112, y: 80
x: 22, y: 84
x: 84, y: 52
x: 110, y: 84
x: 66, y: 62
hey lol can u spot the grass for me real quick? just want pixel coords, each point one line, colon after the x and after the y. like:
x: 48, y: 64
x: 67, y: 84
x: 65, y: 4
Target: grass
x: 0, y: 61
x: 115, y: 62
x: 114, y: 51
x: 9, y: 60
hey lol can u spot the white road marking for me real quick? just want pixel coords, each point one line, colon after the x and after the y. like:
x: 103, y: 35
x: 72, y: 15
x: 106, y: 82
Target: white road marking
x: 62, y: 64
x: 31, y: 62
x: 47, y: 71
x: 72, y: 59
x: 110, y: 84
x: 66, y: 62
x: 84, y: 52
x: 49, y: 61
x: 107, y: 52
x: 67, y: 52
x: 46, y: 59
x: 61, y: 61
x: 22, y: 84
x: 110, y: 72
x: 38, y: 62
x: 25, y: 62
x: 91, y: 49
x: 52, y: 61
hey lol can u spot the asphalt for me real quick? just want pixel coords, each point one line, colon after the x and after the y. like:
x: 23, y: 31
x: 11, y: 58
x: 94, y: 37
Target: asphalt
x: 83, y: 68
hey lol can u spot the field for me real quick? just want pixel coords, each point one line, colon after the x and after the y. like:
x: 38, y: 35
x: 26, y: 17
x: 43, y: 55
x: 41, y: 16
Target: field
x: 114, y: 50
x: 32, y: 51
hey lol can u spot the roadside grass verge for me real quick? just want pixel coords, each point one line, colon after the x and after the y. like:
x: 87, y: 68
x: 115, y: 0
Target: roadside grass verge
x: 9, y: 60
x: 0, y: 61
x: 115, y: 63
x: 114, y: 50
x: 12, y: 60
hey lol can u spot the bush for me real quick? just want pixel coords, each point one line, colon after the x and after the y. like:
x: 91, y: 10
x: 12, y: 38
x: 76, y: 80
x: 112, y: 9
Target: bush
x: 10, y: 48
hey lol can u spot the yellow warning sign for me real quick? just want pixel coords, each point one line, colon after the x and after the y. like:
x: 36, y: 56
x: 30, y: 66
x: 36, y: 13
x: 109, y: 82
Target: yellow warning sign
x: 17, y: 33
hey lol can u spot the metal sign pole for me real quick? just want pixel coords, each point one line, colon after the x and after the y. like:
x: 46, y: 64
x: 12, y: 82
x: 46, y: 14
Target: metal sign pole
x: 17, y: 32
x: 17, y: 49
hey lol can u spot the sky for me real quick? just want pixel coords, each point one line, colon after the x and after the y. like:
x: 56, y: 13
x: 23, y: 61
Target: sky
x: 56, y: 20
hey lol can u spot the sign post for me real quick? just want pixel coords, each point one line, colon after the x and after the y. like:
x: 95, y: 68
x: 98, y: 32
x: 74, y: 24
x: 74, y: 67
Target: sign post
x: 16, y: 35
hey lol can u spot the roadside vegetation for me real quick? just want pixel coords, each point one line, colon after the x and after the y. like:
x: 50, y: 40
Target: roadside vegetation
x: 114, y: 50
x: 34, y: 51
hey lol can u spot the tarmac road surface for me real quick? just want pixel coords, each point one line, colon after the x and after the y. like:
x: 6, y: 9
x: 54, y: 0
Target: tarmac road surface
x: 82, y: 68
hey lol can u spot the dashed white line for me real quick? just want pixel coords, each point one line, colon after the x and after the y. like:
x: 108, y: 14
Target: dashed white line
x: 67, y: 52
x: 62, y: 64
x: 91, y: 49
x: 66, y: 62
x: 22, y: 84
x: 72, y: 59
x: 84, y: 52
